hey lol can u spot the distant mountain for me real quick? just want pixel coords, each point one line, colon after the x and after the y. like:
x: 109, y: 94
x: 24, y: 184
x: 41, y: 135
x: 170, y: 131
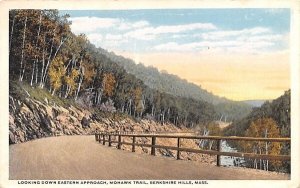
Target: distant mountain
x: 279, y: 109
x: 177, y: 86
x: 164, y: 81
x: 255, y: 103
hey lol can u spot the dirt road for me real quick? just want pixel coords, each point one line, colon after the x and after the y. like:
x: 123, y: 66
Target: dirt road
x: 81, y: 157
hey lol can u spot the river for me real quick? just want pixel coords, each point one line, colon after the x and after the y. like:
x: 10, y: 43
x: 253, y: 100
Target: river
x: 229, y: 160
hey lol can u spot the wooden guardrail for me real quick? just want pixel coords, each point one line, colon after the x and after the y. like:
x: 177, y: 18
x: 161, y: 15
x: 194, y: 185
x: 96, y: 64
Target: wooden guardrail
x: 103, y: 137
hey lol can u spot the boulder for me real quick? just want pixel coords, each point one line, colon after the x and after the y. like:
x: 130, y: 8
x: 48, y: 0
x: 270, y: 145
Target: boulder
x: 85, y: 122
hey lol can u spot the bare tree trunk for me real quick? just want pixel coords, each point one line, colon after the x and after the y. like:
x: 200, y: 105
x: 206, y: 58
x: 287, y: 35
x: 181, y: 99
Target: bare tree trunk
x: 45, y: 70
x: 129, y: 106
x: 23, y: 71
x: 152, y: 110
x: 164, y: 117
x: 267, y: 161
x: 260, y: 161
x: 11, y: 33
x: 35, y: 66
x: 42, y: 71
x: 185, y: 119
x: 99, y: 96
x: 40, y: 22
x: 122, y: 108
x: 78, y: 89
x: 255, y: 160
x: 53, y: 91
x: 221, y: 117
x: 211, y: 144
x: 48, y: 63
x: 67, y: 91
x: 36, y: 73
x: 23, y: 46
x: 62, y: 41
x: 32, y: 74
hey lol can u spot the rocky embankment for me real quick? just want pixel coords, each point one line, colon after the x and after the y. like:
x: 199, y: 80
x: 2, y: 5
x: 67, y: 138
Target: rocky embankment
x: 32, y: 119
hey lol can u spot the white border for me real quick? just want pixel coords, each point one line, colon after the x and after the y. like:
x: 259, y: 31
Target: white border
x: 294, y: 5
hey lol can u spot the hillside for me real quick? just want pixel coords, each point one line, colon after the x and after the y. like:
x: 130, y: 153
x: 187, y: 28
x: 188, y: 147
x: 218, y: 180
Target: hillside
x: 279, y: 110
x: 255, y: 103
x: 35, y: 114
x: 45, y: 54
x: 174, y: 85
x: 272, y: 119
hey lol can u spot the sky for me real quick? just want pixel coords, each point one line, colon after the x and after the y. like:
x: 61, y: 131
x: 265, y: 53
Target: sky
x: 240, y: 54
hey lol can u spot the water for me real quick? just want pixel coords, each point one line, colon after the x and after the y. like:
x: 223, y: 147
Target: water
x: 229, y: 160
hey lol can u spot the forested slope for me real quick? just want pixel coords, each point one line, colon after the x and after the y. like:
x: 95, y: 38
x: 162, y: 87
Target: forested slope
x: 279, y: 110
x: 272, y: 119
x: 46, y: 54
x: 172, y: 84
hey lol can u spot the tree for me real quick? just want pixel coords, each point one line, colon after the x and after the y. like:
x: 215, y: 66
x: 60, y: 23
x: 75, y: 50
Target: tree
x: 56, y: 74
x: 264, y: 127
x: 70, y: 81
x: 43, y: 49
x: 108, y: 84
x: 138, y: 101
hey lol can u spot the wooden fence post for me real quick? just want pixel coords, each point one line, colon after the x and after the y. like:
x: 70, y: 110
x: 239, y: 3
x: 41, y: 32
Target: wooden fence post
x: 178, y: 146
x: 153, y: 145
x: 109, y: 140
x: 219, y: 148
x: 119, y: 142
x: 103, y: 139
x: 133, y: 144
x: 96, y: 137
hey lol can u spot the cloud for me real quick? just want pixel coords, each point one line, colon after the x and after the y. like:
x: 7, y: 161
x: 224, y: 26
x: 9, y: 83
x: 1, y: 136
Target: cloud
x: 113, y: 41
x: 112, y: 33
x: 250, y: 40
x: 113, y: 37
x: 95, y: 38
x: 108, y: 41
x: 149, y: 33
x: 225, y: 46
x: 92, y: 24
x: 133, y: 25
x: 216, y: 35
x: 89, y: 24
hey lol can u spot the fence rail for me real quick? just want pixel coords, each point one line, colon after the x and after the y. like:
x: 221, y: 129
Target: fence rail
x: 104, y: 137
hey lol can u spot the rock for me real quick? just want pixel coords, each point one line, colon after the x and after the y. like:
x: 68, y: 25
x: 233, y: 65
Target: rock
x: 21, y: 136
x: 32, y: 119
x: 46, y: 100
x: 85, y: 122
x: 12, y: 139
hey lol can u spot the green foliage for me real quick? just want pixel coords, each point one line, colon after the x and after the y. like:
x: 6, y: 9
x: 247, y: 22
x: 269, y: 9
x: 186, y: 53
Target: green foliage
x: 264, y: 127
x: 17, y: 90
x: 56, y: 73
x: 70, y: 80
x: 214, y: 129
x: 172, y: 84
x: 267, y: 116
x: 71, y: 67
x: 279, y: 110
x: 108, y: 84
